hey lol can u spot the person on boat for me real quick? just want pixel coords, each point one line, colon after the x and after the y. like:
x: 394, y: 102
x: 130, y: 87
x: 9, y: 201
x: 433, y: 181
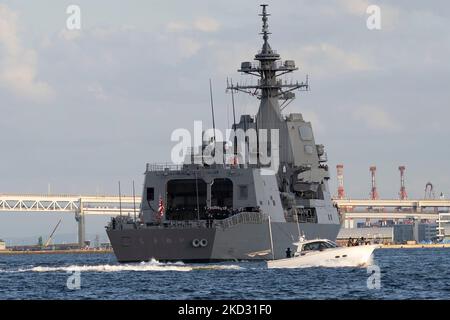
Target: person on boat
x: 288, y: 252
x: 350, y: 242
x: 362, y: 241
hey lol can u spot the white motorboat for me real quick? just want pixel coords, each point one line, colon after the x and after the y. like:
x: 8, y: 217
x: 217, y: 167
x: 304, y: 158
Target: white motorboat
x: 325, y: 253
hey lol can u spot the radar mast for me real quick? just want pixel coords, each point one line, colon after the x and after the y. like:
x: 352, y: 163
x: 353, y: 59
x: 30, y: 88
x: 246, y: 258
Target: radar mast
x: 268, y: 68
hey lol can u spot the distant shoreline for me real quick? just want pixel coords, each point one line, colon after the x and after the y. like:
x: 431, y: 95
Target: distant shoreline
x: 77, y: 251
x: 415, y: 246
x: 106, y: 251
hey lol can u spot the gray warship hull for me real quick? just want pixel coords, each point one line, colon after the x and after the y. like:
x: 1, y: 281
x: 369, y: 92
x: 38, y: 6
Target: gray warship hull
x: 235, y: 243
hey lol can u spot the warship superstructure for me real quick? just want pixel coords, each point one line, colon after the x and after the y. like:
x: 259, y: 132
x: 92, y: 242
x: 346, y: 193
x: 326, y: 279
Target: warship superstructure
x: 198, y: 211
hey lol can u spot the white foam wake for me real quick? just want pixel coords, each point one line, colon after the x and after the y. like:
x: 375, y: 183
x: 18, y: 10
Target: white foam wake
x: 143, y: 266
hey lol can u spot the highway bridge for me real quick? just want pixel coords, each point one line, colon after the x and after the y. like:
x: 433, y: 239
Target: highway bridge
x: 78, y: 205
x: 393, y: 203
x: 393, y: 209
x: 82, y: 205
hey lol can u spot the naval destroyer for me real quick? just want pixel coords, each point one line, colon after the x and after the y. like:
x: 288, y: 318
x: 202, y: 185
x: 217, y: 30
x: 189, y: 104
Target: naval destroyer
x: 240, y: 209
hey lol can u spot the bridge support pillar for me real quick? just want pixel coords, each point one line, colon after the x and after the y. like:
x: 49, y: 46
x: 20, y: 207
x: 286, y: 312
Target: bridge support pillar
x: 81, y: 230
x: 79, y: 217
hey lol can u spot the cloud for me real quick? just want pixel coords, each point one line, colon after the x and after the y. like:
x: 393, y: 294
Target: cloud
x: 177, y: 26
x: 97, y: 91
x: 203, y: 24
x: 376, y: 118
x: 206, y: 24
x: 355, y: 7
x: 18, y: 65
x: 69, y: 34
x: 326, y: 59
x: 129, y: 76
x: 228, y: 61
x: 188, y: 46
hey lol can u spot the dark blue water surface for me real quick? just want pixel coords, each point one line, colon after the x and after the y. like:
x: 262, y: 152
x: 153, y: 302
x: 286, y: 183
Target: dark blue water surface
x: 405, y: 274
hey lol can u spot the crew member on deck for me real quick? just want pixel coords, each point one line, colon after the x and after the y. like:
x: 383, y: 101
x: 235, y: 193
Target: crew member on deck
x: 362, y: 241
x: 288, y: 252
x: 350, y: 242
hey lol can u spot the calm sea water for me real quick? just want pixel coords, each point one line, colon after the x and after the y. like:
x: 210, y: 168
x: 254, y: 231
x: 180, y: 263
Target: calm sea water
x: 405, y: 274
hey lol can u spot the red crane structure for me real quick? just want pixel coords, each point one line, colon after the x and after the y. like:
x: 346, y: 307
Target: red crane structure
x: 340, y: 179
x: 402, y: 193
x: 373, y: 191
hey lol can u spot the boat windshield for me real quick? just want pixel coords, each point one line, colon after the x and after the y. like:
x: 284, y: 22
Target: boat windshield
x: 318, y: 245
x: 332, y: 244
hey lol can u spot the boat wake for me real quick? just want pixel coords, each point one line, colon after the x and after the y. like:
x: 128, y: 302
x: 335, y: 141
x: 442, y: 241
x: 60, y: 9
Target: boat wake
x: 152, y: 265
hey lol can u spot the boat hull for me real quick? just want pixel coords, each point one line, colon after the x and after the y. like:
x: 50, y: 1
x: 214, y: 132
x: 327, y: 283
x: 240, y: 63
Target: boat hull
x: 233, y: 243
x: 358, y: 256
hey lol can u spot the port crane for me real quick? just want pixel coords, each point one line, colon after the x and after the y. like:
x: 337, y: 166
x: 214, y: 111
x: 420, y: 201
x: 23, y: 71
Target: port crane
x: 53, y: 232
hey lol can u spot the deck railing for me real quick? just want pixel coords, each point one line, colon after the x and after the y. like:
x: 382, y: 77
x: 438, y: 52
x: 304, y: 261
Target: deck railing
x: 239, y: 218
x: 163, y: 167
x: 243, y: 217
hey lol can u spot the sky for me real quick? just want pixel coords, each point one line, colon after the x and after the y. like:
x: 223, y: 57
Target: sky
x: 83, y: 109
